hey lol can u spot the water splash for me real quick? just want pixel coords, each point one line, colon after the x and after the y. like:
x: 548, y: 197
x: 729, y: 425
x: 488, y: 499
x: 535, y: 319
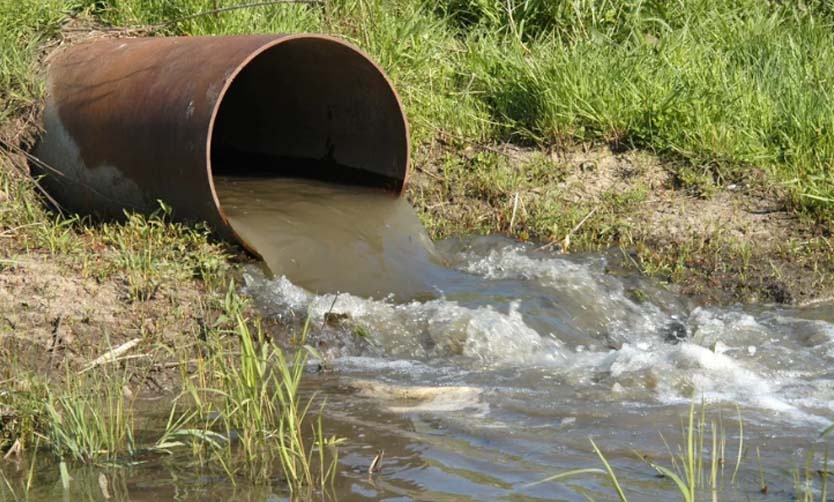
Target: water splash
x: 528, y: 318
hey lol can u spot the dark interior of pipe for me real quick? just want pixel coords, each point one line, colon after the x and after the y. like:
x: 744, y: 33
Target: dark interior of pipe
x: 314, y: 108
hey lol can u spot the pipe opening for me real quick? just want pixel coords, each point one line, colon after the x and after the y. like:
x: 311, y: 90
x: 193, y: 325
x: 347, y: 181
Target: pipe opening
x: 311, y: 107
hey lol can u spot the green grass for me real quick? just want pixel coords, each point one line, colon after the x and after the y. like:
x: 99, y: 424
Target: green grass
x: 261, y: 404
x: 24, y: 27
x: 699, y: 468
x: 522, y: 199
x: 253, y: 395
x: 91, y: 419
x: 148, y: 251
x: 724, y: 85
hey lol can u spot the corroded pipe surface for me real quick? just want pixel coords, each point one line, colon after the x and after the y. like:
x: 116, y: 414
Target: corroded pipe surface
x: 132, y: 121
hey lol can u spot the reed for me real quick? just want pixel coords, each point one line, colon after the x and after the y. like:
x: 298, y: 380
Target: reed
x: 241, y: 409
x: 697, y: 468
x: 92, y: 419
x: 252, y: 417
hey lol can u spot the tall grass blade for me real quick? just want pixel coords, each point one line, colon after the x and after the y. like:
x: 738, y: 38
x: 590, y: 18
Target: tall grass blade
x: 691, y: 474
x: 9, y: 486
x: 611, y: 476
x: 65, y: 477
x: 682, y: 486
x: 824, y: 474
x: 30, y: 478
x: 740, y: 446
x: 567, y: 474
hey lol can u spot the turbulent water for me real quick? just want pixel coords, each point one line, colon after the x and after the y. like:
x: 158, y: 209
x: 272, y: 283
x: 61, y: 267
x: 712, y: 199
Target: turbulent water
x: 500, y: 381
x: 491, y: 372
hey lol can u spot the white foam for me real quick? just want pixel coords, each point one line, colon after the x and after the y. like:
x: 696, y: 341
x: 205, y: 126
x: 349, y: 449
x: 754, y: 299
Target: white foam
x: 776, y: 363
x: 596, y: 300
x: 686, y: 371
x: 421, y: 330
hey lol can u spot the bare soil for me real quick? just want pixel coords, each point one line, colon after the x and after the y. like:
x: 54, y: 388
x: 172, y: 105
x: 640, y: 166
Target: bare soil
x: 740, y: 243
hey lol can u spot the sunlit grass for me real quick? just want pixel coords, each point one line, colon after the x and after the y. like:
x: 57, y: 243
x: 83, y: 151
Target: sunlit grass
x: 92, y: 419
x: 254, y: 397
x: 148, y: 251
x: 699, y: 468
x: 24, y: 26
x: 725, y: 86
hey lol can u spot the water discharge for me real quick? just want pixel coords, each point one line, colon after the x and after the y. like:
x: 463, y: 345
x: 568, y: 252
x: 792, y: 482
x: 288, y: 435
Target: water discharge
x: 499, y: 382
x: 329, y: 238
x: 512, y: 353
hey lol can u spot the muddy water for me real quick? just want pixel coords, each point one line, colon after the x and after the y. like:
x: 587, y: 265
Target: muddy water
x: 501, y: 381
x: 329, y: 238
x: 519, y: 355
x: 490, y: 374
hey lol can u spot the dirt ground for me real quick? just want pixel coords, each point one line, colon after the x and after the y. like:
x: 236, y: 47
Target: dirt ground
x: 73, y: 291
x: 739, y: 243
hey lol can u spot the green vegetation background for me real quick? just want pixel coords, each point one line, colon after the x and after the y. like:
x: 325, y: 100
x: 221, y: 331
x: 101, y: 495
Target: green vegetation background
x: 723, y: 86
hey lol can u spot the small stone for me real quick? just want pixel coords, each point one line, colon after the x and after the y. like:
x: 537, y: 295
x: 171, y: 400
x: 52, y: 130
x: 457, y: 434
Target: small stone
x: 587, y: 166
x: 334, y: 318
x: 674, y: 333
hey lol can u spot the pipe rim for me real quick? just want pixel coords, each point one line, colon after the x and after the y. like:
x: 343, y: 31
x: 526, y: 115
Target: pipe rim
x: 231, y: 80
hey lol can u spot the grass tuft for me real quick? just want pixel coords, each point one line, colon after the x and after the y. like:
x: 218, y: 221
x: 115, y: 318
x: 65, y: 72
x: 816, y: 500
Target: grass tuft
x: 250, y: 414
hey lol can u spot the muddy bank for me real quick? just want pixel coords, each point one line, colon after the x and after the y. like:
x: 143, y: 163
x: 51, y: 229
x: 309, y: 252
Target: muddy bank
x: 721, y: 242
x: 72, y: 290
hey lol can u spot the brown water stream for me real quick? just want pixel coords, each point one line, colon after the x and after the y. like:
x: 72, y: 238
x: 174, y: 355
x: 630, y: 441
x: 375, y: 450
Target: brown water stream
x: 329, y: 238
x: 491, y: 372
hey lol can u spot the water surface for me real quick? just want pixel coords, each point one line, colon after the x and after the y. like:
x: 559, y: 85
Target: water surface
x: 501, y: 380
x: 495, y: 361
x: 481, y: 365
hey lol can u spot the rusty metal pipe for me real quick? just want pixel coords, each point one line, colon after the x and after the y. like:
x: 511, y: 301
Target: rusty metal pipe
x: 129, y: 122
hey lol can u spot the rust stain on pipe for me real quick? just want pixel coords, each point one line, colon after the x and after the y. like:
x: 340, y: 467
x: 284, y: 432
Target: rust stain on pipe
x: 132, y: 121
